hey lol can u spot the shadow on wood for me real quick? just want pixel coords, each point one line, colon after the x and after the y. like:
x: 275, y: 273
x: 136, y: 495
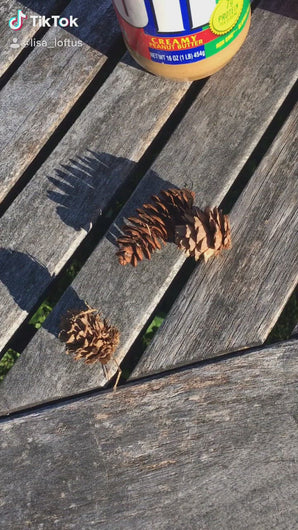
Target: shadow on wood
x: 41, y: 8
x: 21, y: 273
x: 80, y: 185
x: 287, y: 8
x: 97, y: 26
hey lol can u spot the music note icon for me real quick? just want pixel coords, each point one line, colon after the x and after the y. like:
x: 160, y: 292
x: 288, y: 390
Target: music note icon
x: 16, y: 23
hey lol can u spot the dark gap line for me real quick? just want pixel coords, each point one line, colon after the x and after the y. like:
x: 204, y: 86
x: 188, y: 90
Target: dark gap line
x: 254, y: 4
x: 114, y: 54
x: 178, y: 283
x: 26, y: 332
x: 286, y: 322
x: 40, y: 33
x: 97, y: 392
x: 261, y: 149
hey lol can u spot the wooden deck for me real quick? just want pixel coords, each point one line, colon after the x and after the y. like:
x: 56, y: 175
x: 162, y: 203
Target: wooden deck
x: 203, y: 434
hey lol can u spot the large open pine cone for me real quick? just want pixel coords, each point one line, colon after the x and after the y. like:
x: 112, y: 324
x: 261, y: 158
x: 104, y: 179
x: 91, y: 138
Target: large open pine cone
x: 154, y: 224
x: 203, y: 233
x: 89, y: 337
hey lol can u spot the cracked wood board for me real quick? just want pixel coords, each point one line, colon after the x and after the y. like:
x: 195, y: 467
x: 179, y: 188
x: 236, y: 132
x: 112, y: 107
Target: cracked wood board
x: 210, y: 447
x: 205, y: 153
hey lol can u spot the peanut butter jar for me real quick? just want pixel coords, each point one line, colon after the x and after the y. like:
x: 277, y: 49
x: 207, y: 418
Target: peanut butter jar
x: 183, y: 39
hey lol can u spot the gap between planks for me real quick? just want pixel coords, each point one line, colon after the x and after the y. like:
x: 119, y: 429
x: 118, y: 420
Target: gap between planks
x: 43, y: 372
x: 46, y: 86
x: 233, y: 302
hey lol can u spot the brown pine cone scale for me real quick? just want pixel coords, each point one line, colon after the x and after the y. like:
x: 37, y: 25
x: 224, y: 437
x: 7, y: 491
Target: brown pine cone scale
x: 89, y: 337
x: 155, y: 224
x: 204, y: 233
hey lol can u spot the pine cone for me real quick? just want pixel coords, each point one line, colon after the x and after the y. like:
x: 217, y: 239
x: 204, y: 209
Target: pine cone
x: 154, y: 224
x: 89, y: 337
x: 204, y: 233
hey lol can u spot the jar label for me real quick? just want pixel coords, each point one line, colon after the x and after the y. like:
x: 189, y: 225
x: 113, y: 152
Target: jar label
x: 180, y: 31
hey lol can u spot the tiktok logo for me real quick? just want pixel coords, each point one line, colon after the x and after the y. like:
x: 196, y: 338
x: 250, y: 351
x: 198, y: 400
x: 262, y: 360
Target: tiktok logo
x: 17, y: 22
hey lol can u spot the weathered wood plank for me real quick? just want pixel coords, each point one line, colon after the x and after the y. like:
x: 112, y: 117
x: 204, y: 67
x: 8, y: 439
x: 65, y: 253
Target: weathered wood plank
x: 75, y: 183
x: 45, y: 87
x: 229, y: 128
x: 233, y: 302
x: 213, y: 447
x: 9, y: 9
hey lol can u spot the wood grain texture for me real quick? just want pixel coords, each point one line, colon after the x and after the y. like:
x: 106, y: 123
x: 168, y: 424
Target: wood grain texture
x: 234, y: 301
x: 75, y: 184
x: 9, y: 9
x: 199, y: 155
x: 213, y: 447
x: 48, y: 83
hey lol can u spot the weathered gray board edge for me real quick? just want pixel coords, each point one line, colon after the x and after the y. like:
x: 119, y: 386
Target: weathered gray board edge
x: 8, y: 9
x: 125, y: 296
x: 234, y: 301
x: 212, y: 447
x: 45, y: 87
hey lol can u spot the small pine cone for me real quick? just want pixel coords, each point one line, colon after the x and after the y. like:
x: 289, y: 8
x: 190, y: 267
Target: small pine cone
x: 154, y: 224
x: 89, y: 337
x: 204, y: 233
